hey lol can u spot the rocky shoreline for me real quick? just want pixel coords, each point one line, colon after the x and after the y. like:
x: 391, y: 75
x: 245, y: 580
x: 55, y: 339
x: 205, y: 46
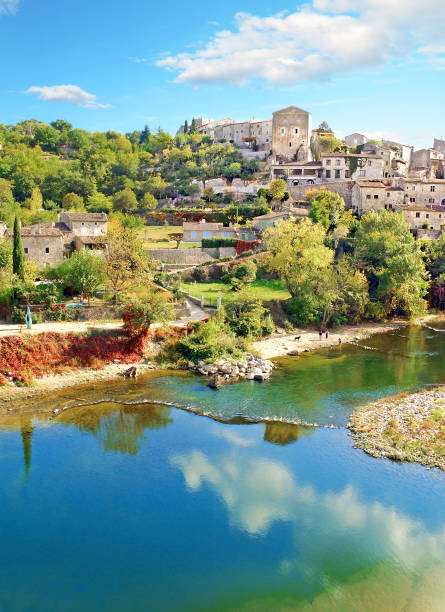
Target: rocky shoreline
x: 406, y: 427
x: 226, y: 371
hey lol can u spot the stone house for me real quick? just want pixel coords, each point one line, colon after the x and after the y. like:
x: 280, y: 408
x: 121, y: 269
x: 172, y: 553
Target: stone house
x: 48, y: 243
x: 418, y: 216
x: 270, y: 220
x: 375, y: 195
x: 439, y: 145
x: 429, y: 163
x: 423, y: 191
x: 196, y: 232
x: 355, y: 140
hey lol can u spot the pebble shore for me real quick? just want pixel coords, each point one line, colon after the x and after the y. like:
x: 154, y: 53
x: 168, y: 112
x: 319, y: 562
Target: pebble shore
x: 404, y: 428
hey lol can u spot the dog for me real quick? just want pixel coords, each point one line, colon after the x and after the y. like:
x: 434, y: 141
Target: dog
x: 297, y: 337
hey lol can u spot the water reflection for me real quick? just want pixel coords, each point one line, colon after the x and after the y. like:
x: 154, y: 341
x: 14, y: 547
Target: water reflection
x: 118, y: 428
x: 285, y: 433
x: 347, y: 549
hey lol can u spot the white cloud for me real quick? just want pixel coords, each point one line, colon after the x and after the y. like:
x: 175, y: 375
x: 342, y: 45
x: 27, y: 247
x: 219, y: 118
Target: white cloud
x: 139, y: 60
x: 67, y: 93
x: 8, y: 7
x: 317, y: 41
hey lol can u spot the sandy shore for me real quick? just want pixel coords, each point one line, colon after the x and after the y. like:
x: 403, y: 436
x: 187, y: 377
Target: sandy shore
x: 279, y: 345
x: 406, y: 427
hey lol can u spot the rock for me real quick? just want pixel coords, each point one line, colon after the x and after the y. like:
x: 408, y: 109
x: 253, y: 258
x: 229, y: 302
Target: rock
x: 250, y: 375
x: 202, y: 372
x: 293, y: 353
x: 215, y: 382
x: 131, y: 372
x: 260, y: 377
x: 117, y: 361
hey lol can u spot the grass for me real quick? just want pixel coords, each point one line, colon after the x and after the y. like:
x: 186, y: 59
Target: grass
x: 156, y: 237
x: 262, y: 289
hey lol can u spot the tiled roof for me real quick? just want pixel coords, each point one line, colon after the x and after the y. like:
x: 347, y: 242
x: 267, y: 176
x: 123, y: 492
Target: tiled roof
x: 375, y: 184
x: 40, y: 229
x: 76, y: 216
x: 422, y: 207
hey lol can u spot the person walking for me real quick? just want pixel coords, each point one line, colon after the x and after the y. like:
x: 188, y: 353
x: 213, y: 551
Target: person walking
x: 339, y: 340
x: 327, y: 335
x: 320, y: 334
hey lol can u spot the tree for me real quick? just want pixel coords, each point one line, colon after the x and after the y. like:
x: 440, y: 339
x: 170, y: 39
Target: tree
x: 18, y: 256
x: 277, y: 189
x: 126, y: 261
x: 193, y: 126
x: 208, y: 194
x: 99, y: 203
x: 330, y: 144
x: 176, y: 237
x: 5, y: 253
x: 125, y: 200
x: 326, y: 207
x: 149, y: 202
x: 140, y: 314
x: 324, y: 127
x: 390, y: 257
x: 47, y: 137
x: 247, y: 316
x: 145, y: 136
x: 83, y: 271
x: 186, y: 126
x: 35, y: 202
x: 299, y: 255
x: 72, y: 201
x: 156, y: 185
x: 61, y: 125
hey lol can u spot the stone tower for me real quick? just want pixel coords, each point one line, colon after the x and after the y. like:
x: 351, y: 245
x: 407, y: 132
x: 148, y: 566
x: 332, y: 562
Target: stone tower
x: 291, y: 134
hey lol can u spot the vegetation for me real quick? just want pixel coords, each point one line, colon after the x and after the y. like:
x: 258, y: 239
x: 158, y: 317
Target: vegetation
x: 83, y: 272
x: 18, y: 256
x: 247, y: 316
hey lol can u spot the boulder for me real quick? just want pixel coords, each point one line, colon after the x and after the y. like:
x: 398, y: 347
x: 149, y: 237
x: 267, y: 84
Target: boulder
x: 293, y: 353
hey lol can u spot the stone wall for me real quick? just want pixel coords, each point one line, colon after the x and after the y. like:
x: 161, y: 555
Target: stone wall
x: 343, y: 188
x: 191, y: 256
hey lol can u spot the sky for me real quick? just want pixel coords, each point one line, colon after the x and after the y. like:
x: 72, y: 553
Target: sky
x: 376, y: 67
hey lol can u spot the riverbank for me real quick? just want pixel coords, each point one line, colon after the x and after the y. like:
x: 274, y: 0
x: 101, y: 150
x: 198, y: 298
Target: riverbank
x: 307, y: 340
x: 406, y: 427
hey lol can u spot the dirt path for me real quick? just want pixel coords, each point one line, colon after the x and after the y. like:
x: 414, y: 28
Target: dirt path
x: 14, y: 329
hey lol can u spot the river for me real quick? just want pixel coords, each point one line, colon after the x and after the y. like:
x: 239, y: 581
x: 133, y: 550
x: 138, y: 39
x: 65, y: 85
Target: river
x: 127, y: 502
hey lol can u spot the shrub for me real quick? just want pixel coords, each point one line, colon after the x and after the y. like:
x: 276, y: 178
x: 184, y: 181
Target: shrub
x: 246, y: 271
x: 210, y: 341
x: 303, y: 309
x: 247, y: 317
x: 212, y: 243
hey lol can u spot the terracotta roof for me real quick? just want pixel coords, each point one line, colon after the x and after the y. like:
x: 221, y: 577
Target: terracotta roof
x: 192, y: 225
x: 351, y: 155
x: 375, y: 184
x: 314, y: 164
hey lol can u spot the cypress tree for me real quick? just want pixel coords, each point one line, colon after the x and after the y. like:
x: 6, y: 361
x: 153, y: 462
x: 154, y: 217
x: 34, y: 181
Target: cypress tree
x: 186, y: 126
x: 18, y: 256
x: 193, y: 127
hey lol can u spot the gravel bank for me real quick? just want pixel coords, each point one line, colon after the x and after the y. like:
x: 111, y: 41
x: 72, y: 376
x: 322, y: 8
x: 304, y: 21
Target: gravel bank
x: 404, y: 427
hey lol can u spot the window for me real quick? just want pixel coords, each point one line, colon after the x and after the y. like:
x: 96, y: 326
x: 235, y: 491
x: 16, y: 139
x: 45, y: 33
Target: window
x: 362, y: 172
x: 328, y: 174
x: 414, y: 188
x: 206, y: 234
x: 282, y: 130
x: 387, y: 194
x: 337, y: 174
x: 412, y: 199
x: 347, y: 174
x: 296, y: 130
x: 369, y: 162
x: 433, y: 188
x: 417, y: 215
x: 83, y: 223
x: 427, y: 215
x: 338, y: 162
x: 431, y: 200
x: 376, y: 197
x: 226, y: 234
x: 47, y: 250
x: 290, y: 144
x: 193, y: 234
x: 26, y: 250
x: 95, y: 223
x: 368, y: 197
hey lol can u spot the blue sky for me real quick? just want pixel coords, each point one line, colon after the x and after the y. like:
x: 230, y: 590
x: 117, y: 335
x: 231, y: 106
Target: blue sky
x: 377, y: 67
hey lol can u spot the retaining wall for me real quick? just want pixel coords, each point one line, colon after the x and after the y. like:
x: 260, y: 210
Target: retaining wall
x: 193, y: 256
x: 343, y: 188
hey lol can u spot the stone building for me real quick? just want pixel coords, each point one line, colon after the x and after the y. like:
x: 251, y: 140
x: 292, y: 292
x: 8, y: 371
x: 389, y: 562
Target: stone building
x: 291, y: 134
x: 428, y: 163
x: 424, y: 191
x: 375, y: 195
x: 196, y: 232
x: 48, y: 243
x: 355, y: 140
x: 439, y: 145
x: 420, y: 217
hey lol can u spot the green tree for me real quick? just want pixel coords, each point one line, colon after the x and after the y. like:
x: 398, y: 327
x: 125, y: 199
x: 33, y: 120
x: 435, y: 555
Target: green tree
x: 390, y: 257
x: 324, y: 127
x: 149, y: 202
x: 247, y: 316
x: 330, y: 144
x: 99, y: 202
x: 47, y: 137
x: 277, y: 190
x: 299, y: 255
x: 127, y: 262
x: 139, y: 315
x: 193, y: 126
x: 61, y: 125
x: 83, y: 271
x: 125, y: 200
x: 72, y: 201
x: 18, y: 256
x: 326, y: 207
x: 5, y: 253
x: 35, y: 202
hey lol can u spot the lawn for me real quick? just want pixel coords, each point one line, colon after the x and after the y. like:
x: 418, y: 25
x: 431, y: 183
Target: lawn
x: 156, y: 237
x: 262, y: 289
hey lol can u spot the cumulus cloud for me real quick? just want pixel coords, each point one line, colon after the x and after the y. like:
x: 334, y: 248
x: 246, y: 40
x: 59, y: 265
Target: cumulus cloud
x: 320, y: 39
x: 67, y: 93
x: 8, y: 7
x: 139, y: 60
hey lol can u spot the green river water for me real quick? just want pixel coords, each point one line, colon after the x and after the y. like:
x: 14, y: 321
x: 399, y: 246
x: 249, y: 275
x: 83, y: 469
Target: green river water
x: 126, y: 501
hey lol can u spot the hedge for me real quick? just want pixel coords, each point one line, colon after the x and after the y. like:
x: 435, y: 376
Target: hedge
x: 212, y: 243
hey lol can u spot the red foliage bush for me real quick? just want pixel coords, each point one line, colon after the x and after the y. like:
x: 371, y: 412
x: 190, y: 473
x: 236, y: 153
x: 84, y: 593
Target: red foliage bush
x: 25, y: 357
x: 246, y: 245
